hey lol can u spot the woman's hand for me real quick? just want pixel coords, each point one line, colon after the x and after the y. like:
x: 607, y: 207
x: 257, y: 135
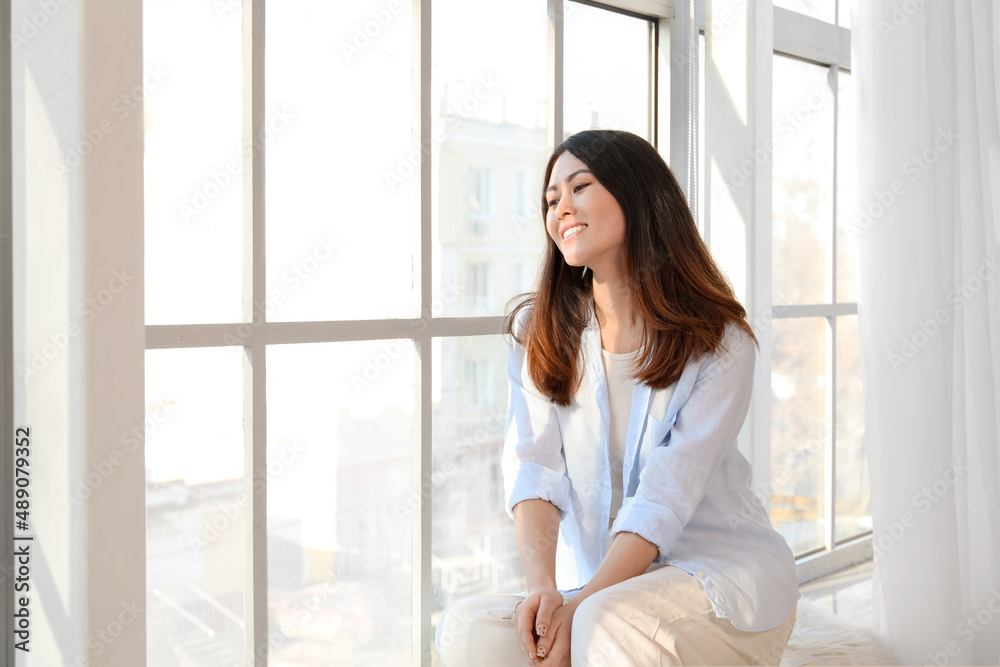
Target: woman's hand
x: 554, y: 645
x: 533, y: 618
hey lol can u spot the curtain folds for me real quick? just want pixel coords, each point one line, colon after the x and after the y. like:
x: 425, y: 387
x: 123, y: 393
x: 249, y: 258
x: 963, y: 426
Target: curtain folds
x: 928, y: 77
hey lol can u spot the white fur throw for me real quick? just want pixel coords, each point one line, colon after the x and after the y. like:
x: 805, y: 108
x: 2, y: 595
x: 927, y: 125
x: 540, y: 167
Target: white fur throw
x: 820, y: 638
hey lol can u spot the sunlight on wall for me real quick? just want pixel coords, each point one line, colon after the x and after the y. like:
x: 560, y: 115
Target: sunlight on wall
x: 42, y: 365
x: 729, y: 54
x: 728, y: 239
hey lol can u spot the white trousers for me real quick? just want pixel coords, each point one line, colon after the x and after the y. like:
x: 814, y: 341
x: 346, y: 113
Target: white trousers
x: 661, y: 617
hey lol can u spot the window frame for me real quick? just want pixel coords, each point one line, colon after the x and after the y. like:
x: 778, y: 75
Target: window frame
x: 827, y: 45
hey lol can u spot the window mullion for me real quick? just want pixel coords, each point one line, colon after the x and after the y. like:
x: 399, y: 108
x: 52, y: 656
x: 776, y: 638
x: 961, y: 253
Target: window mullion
x: 831, y: 391
x: 556, y: 34
x: 831, y: 271
x: 421, y: 527
x: 254, y: 379
x: 653, y: 90
x: 829, y: 429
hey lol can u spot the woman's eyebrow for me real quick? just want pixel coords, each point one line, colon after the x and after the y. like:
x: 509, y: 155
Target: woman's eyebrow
x: 569, y: 178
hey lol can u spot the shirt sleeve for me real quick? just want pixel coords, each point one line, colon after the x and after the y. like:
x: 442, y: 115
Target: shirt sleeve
x: 533, y: 462
x: 673, y: 482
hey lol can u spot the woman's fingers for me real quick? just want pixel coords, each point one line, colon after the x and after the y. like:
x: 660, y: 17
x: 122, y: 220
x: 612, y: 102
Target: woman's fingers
x: 557, y: 634
x: 546, y: 606
x: 524, y: 620
x: 544, y: 646
x: 558, y: 655
x: 554, y: 646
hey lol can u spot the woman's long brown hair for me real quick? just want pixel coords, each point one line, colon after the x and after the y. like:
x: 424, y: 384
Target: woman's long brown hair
x: 684, y: 299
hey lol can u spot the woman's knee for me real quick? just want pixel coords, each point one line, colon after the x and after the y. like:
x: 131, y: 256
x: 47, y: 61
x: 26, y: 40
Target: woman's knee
x: 452, y: 630
x: 475, y: 627
x: 588, y: 615
x: 597, y: 638
x: 605, y: 610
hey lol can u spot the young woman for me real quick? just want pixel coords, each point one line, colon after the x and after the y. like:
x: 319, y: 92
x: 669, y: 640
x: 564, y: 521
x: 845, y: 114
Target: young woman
x: 630, y: 375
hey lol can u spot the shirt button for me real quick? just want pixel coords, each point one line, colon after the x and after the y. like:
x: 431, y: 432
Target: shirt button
x: 700, y: 573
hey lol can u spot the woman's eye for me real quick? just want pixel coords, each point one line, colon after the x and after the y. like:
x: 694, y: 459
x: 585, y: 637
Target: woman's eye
x: 576, y: 188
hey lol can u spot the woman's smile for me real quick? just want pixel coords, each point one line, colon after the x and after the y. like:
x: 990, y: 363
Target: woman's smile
x: 584, y: 219
x: 572, y: 231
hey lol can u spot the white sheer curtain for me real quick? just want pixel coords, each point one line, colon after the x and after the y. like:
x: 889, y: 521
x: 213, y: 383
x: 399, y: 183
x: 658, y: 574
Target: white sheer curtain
x: 929, y: 315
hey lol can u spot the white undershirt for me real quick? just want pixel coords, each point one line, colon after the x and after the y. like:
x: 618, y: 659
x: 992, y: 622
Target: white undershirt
x: 618, y: 371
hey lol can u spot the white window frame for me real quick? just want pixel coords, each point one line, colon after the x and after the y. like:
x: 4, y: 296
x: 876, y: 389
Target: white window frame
x: 825, y: 44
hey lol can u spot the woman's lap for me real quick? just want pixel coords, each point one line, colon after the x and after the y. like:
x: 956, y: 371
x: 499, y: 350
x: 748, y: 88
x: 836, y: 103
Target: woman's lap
x: 662, y: 617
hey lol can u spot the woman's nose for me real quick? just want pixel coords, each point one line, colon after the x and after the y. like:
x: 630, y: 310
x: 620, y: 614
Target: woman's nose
x: 564, y: 206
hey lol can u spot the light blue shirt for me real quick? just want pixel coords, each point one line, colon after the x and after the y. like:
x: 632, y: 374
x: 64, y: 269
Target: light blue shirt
x: 687, y: 487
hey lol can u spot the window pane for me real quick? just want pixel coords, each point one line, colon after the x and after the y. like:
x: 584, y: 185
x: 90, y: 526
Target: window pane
x: 854, y: 514
x: 192, y: 162
x: 489, y: 148
x: 474, y: 549
x: 607, y: 73
x: 848, y: 231
x: 799, y: 430
x: 802, y: 181
x: 845, y: 14
x: 818, y: 9
x: 194, y: 521
x: 339, y: 503
x: 342, y: 167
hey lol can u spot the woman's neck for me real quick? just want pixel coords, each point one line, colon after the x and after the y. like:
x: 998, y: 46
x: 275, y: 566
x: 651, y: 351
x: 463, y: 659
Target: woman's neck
x: 621, y: 329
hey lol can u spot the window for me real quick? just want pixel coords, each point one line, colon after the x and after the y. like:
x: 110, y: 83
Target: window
x: 193, y: 203
x: 352, y: 315
x: 609, y: 70
x: 337, y: 455
x: 820, y: 492
x: 489, y: 123
x: 194, y: 535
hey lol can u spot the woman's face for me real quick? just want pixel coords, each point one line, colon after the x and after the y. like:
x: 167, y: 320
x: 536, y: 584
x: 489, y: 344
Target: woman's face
x: 584, y: 219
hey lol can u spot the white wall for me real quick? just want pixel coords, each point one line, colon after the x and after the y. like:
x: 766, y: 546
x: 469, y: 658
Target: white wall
x: 739, y: 39
x: 78, y: 380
